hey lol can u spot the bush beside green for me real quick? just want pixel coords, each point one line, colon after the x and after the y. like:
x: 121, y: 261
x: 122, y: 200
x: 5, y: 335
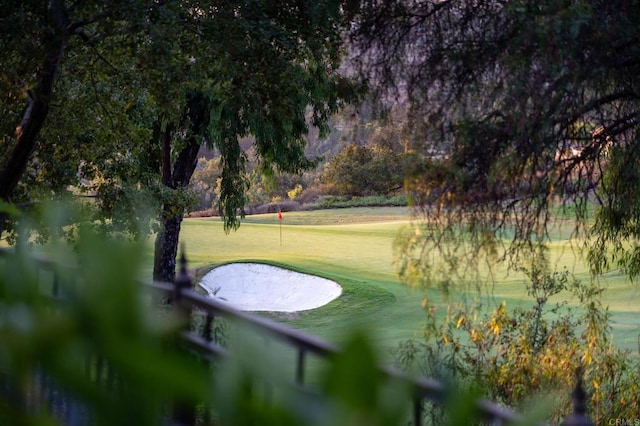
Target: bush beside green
x: 527, y: 358
x: 336, y: 202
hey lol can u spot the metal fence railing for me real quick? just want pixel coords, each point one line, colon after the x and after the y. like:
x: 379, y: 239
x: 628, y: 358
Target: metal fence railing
x: 182, y: 296
x: 423, y: 388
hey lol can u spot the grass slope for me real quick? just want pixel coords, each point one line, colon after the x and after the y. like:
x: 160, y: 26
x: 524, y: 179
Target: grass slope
x: 354, y: 247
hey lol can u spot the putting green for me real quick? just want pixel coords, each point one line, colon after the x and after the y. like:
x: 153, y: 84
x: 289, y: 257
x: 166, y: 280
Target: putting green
x: 354, y: 248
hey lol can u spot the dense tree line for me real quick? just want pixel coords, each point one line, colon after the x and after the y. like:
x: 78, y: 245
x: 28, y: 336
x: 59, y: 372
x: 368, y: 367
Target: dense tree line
x: 364, y: 155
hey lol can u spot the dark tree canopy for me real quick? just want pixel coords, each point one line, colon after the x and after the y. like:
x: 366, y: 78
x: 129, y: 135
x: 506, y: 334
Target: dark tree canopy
x: 118, y: 97
x: 525, y: 104
x: 67, y: 79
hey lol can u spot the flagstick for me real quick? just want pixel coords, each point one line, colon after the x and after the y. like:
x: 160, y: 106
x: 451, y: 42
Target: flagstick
x: 280, y: 220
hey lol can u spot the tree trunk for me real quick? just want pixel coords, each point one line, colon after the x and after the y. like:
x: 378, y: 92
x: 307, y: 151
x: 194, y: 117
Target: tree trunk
x: 166, y: 246
x: 177, y: 176
x: 37, y: 108
x: 167, y: 240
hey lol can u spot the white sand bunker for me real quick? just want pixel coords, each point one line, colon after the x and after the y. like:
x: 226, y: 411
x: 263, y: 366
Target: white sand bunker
x: 258, y: 287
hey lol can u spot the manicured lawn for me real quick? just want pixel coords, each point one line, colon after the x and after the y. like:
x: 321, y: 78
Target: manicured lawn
x: 357, y: 253
x: 354, y: 247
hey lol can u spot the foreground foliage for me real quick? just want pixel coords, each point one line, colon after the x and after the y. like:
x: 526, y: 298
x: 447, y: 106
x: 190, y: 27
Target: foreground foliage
x: 103, y: 321
x: 520, y: 355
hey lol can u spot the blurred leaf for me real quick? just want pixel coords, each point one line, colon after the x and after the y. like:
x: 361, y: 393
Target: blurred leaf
x: 359, y: 392
x: 9, y: 208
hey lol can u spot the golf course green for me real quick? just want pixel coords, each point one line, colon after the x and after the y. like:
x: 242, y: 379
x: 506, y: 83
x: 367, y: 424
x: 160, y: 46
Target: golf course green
x: 354, y: 247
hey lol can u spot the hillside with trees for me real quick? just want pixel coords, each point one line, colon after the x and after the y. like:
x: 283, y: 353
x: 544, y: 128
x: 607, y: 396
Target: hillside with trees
x: 363, y: 160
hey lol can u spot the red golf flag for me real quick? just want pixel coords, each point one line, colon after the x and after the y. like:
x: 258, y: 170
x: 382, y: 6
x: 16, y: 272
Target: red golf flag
x: 279, y: 215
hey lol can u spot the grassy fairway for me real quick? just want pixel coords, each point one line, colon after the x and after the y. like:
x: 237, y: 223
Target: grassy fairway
x: 354, y: 248
x: 350, y: 246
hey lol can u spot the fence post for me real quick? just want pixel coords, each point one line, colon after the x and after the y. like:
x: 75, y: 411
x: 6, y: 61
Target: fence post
x: 184, y: 414
x: 579, y: 416
x: 300, y: 367
x: 181, y: 282
x: 417, y: 410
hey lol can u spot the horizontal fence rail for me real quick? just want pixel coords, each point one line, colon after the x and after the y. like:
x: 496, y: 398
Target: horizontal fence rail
x: 182, y: 295
x: 423, y: 388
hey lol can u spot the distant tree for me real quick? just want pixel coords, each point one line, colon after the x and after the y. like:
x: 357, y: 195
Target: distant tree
x: 204, y: 181
x: 524, y: 103
x: 363, y: 170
